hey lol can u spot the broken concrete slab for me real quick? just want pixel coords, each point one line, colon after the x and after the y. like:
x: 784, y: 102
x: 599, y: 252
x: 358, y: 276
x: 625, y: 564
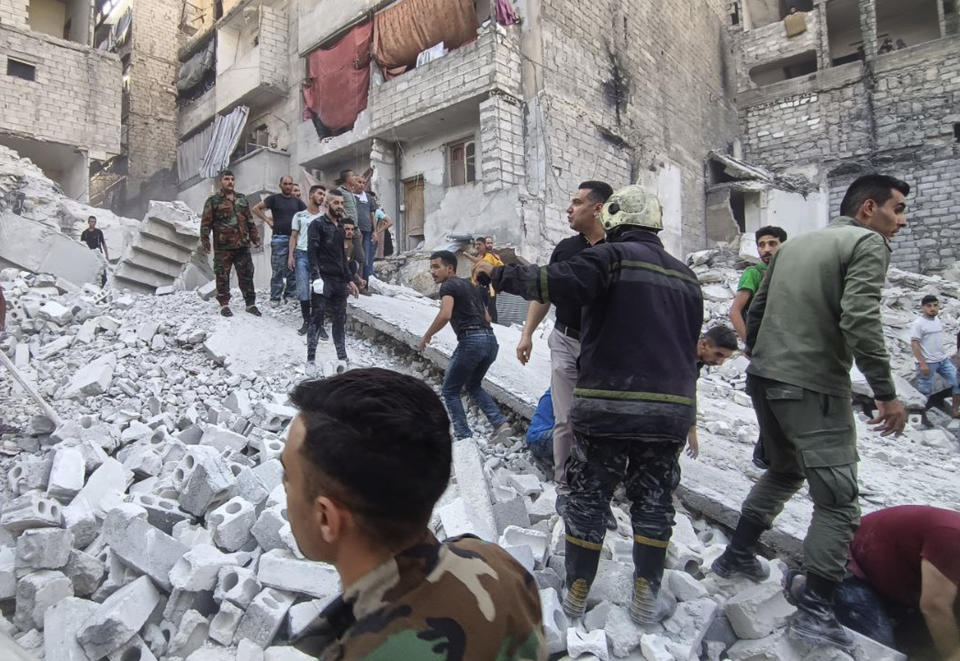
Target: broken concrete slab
x: 94, y: 378
x: 118, y: 618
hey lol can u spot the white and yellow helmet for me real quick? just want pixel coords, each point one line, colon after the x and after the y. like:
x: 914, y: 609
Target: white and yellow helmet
x: 634, y: 206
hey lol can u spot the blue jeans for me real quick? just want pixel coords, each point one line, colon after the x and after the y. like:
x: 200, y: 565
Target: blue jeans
x: 368, y: 253
x: 281, y: 278
x: 469, y: 363
x: 302, y: 270
x: 945, y: 369
x: 859, y: 607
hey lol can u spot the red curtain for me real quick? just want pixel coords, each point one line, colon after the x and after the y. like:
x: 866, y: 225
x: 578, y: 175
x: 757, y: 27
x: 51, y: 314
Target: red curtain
x: 401, y: 32
x: 340, y: 79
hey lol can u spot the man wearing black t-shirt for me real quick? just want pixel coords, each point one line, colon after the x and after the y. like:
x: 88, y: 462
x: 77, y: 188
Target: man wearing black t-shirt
x: 93, y: 237
x: 461, y: 305
x: 282, y: 209
x: 583, y: 215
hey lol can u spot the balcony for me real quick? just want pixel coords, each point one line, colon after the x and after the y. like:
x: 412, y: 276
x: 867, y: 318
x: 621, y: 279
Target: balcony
x: 768, y: 55
x: 258, y: 173
x: 451, y: 85
x: 198, y: 112
x: 59, y: 91
x: 251, y: 56
x: 322, y: 19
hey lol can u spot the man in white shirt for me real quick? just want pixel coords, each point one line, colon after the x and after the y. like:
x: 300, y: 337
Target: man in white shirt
x: 926, y: 340
x: 299, y: 262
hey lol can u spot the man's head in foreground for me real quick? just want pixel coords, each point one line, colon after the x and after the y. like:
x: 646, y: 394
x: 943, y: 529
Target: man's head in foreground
x: 366, y: 459
x: 717, y: 345
x: 584, y: 209
x: 877, y: 202
x: 769, y: 239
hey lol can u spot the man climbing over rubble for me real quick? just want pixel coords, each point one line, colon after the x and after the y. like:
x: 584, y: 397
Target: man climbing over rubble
x: 802, y: 349
x: 926, y: 341
x: 367, y: 458
x: 635, y: 399
x: 583, y: 216
x: 462, y: 306
x: 298, y: 260
x: 769, y: 239
x: 93, y: 237
x: 330, y: 279
x: 713, y: 350
x: 283, y: 208
x: 226, y: 214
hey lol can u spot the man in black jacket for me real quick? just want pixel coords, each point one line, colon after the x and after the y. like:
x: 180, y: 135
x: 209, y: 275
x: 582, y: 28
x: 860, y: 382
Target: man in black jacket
x: 330, y: 279
x: 635, y: 399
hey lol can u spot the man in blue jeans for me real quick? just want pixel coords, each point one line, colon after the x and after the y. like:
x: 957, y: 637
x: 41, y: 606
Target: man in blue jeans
x: 926, y: 340
x: 299, y: 260
x: 282, y: 209
x: 476, y: 350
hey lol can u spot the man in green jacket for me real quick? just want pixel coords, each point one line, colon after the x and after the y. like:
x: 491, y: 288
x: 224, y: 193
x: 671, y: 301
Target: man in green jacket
x: 816, y: 311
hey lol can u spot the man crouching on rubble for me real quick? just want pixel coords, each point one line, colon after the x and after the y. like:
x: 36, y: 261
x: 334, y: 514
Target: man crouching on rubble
x: 367, y: 458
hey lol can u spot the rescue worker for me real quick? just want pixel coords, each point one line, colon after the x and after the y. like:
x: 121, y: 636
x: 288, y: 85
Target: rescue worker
x: 367, y: 458
x: 817, y: 309
x: 635, y: 398
x: 227, y: 215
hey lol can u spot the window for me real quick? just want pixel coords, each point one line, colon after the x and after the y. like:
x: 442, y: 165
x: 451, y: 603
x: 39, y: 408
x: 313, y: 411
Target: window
x: 956, y: 132
x: 462, y: 163
x: 21, y: 69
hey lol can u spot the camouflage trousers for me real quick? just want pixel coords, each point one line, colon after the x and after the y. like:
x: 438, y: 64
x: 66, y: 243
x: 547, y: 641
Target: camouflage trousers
x: 240, y: 259
x: 650, y: 472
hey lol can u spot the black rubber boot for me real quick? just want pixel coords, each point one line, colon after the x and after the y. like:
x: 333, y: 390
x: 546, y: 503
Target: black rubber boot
x: 815, y: 621
x: 650, y: 604
x: 581, y: 561
x: 740, y: 558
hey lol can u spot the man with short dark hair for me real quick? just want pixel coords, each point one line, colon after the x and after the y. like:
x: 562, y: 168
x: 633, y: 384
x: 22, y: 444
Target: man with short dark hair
x: 330, y: 279
x: 93, y: 237
x: 282, y: 208
x: 802, y: 348
x: 367, y: 458
x: 926, y: 341
x: 299, y: 260
x: 353, y: 255
x: 583, y: 217
x: 484, y: 252
x: 461, y: 305
x: 713, y: 350
x: 226, y: 215
x: 366, y: 213
x: 635, y: 398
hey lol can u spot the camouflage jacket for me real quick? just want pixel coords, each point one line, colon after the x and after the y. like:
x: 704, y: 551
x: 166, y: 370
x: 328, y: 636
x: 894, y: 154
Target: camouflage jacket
x: 463, y: 599
x: 230, y: 221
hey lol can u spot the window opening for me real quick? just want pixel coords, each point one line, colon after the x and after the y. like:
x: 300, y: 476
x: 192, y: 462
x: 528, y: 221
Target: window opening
x: 462, y: 163
x: 20, y: 69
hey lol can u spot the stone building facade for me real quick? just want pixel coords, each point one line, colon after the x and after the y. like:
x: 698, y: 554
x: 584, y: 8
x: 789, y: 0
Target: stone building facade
x: 61, y: 98
x: 883, y: 95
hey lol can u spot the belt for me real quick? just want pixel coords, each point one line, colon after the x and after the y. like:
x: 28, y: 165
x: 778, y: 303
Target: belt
x: 572, y: 333
x: 476, y: 331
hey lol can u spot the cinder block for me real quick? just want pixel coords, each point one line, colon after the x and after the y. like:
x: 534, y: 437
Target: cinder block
x: 282, y: 570
x: 181, y: 601
x: 554, y: 621
x: 203, y: 477
x: 758, y: 611
x: 539, y: 542
x: 44, y: 548
x: 163, y: 513
x: 36, y: 592
x: 684, y: 586
x: 267, y: 528
x: 511, y: 513
x: 191, y: 633
x: 264, y: 616
x: 85, y: 572
x: 583, y: 642
x: 8, y: 572
x: 238, y: 585
x: 119, y: 618
x: 61, y: 622
x: 31, y: 510
x: 79, y: 518
x: 223, y: 439
x: 105, y: 487
x: 198, y: 568
x: 29, y: 473
x: 143, y: 547
x: 93, y: 378
x: 66, y: 474
x: 224, y: 624
x: 231, y: 524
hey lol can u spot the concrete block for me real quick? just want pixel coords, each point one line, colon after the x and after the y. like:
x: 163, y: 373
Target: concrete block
x: 458, y: 518
x: 614, y: 583
x: 623, y: 634
x: 224, y: 624
x: 55, y: 312
x: 267, y: 528
x: 525, y: 484
x: 181, y: 601
x: 29, y: 473
x: 247, y: 650
x: 512, y: 512
x: 683, y: 586
x: 158, y: 637
x: 238, y: 401
x: 231, y: 523
x: 523, y: 555
x: 473, y: 488
x: 145, y: 548
x: 282, y: 570
x: 548, y: 578
x: 302, y: 618
x: 31, y: 510
x: 44, y: 548
x: 264, y: 616
x: 93, y: 378
x: 191, y: 633
x: 249, y: 487
x: 271, y: 474
x: 689, y: 624
x: 203, y: 477
x: 36, y: 592
x: 554, y: 621
x: 191, y: 535
x: 285, y: 653
x: 136, y: 648
x: 539, y: 542
x: 105, y: 487
x: 61, y: 622
x: 758, y: 611
x: 163, y: 513
x: 143, y: 461
x: 51, y: 349
x: 66, y: 474
x: 8, y: 572
x: 80, y: 519
x: 223, y: 439
x: 119, y: 618
x: 582, y: 642
x: 775, y: 647
x: 85, y: 572
x: 199, y: 567
x: 545, y: 506
x: 238, y: 585
x: 267, y: 448
x: 208, y: 290
x: 868, y: 648
x: 654, y: 648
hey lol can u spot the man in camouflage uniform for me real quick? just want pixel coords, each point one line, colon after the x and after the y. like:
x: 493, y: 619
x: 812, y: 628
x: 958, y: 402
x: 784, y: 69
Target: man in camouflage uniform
x: 635, y: 398
x: 366, y: 460
x: 227, y: 215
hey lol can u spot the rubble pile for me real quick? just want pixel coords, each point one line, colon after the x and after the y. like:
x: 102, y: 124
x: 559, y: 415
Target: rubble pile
x: 151, y: 523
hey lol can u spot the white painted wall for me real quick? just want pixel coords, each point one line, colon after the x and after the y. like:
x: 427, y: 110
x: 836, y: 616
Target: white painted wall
x: 667, y: 183
x: 794, y: 213
x: 48, y: 17
x: 238, y: 62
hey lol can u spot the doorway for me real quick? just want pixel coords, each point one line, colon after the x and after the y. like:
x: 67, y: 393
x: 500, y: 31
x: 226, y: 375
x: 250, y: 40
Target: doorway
x: 413, y: 212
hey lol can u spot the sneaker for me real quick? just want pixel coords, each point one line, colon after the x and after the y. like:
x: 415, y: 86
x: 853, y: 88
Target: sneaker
x: 254, y: 310
x: 310, y: 369
x: 303, y: 329
x: 226, y: 311
x: 501, y: 435
x: 733, y: 563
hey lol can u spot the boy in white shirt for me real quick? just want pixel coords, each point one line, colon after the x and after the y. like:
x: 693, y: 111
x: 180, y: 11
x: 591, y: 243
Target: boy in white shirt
x: 926, y: 340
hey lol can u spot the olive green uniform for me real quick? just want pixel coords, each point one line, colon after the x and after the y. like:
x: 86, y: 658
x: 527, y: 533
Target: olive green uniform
x: 816, y: 311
